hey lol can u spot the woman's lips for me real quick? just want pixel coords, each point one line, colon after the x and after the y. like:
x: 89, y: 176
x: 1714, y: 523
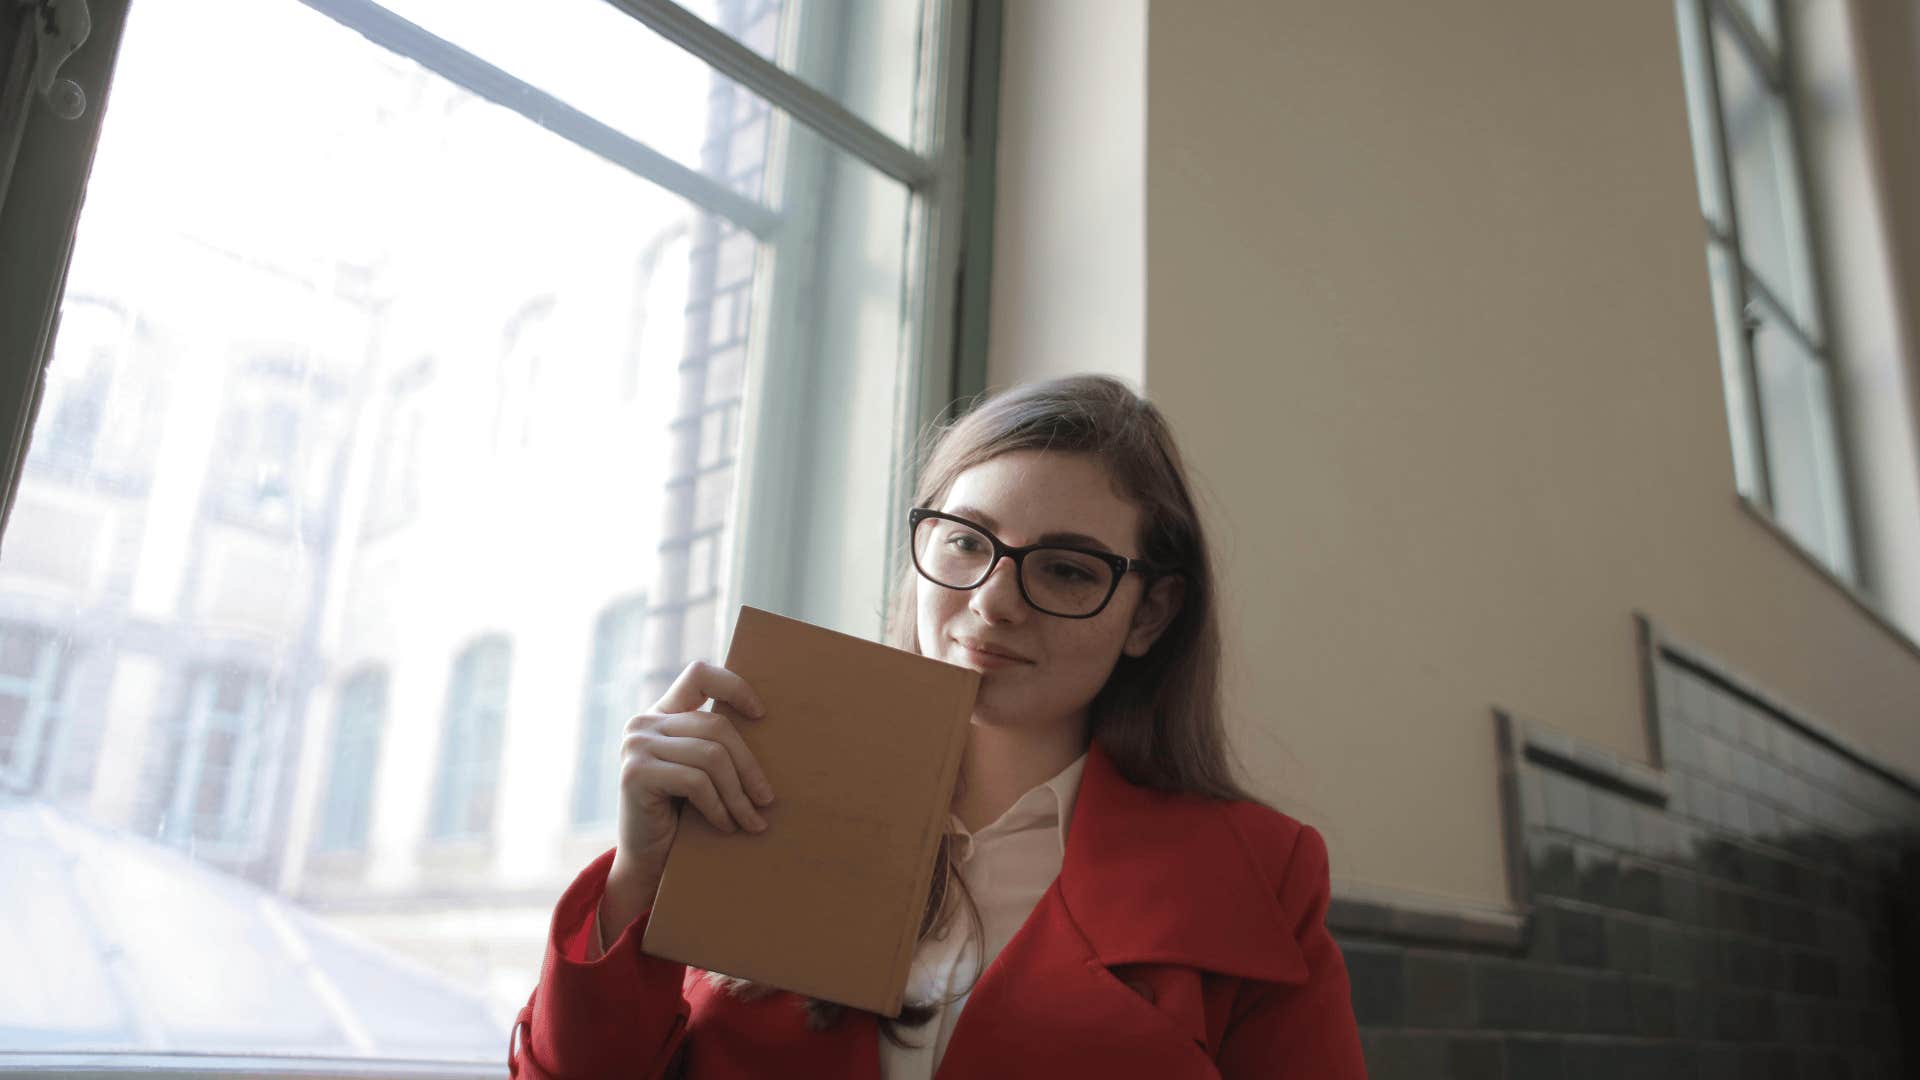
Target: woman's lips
x: 987, y: 660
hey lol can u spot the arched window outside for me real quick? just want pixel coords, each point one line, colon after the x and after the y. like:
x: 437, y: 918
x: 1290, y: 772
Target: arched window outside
x: 359, y: 718
x: 470, y: 742
x: 613, y: 681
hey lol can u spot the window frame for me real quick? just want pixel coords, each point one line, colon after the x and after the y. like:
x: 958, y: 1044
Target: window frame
x: 1754, y: 302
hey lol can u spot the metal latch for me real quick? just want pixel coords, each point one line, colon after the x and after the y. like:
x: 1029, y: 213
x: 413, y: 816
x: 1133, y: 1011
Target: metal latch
x: 59, y: 28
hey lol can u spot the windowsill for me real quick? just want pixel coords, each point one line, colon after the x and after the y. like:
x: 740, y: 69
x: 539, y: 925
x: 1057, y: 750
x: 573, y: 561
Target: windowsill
x: 1860, y: 600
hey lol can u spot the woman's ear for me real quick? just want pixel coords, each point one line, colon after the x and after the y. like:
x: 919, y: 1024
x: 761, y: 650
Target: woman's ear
x: 1155, y: 611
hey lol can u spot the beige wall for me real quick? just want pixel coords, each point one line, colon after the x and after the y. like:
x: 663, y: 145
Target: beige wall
x: 1069, y: 225
x: 1428, y: 305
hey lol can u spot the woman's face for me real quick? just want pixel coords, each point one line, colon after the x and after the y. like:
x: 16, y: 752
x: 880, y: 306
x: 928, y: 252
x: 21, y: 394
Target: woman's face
x: 1027, y: 497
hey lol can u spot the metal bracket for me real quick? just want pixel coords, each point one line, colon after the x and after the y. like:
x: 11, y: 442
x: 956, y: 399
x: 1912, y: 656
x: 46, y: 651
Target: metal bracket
x: 59, y: 28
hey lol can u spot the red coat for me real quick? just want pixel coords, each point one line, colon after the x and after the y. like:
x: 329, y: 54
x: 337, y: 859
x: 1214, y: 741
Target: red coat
x: 1184, y: 937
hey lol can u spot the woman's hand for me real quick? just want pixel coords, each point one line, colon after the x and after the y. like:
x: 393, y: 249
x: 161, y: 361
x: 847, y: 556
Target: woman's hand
x: 677, y: 752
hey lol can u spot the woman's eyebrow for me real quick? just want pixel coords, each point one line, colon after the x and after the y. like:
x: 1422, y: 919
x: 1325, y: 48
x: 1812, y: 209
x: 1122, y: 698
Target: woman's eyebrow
x: 974, y: 513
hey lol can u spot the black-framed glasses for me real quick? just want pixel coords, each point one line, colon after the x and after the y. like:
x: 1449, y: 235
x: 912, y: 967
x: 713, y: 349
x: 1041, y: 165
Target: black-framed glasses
x: 1070, y: 582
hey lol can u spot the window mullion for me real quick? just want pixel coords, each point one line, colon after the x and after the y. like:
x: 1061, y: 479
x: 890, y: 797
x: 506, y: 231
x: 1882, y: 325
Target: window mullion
x: 1756, y: 289
x: 464, y: 69
x: 782, y: 89
x: 1763, y: 472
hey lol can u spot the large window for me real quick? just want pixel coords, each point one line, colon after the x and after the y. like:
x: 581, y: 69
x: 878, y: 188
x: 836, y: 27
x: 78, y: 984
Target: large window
x: 225, y: 765
x: 404, y: 347
x: 348, y: 803
x: 466, y: 785
x: 612, y: 695
x: 1776, y: 361
x: 30, y: 678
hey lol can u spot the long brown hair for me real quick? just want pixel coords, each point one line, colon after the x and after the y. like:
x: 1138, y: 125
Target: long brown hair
x: 1158, y: 716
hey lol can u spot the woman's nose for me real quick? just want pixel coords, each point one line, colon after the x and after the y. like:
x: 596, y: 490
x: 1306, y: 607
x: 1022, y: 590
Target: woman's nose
x: 998, y: 598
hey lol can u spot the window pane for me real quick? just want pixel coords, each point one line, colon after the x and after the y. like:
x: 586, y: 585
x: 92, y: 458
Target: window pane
x: 1803, y: 461
x: 602, y: 62
x: 866, y: 54
x: 420, y: 361
x: 1765, y: 185
x: 404, y: 374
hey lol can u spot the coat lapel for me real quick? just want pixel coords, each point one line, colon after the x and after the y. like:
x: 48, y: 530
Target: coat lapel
x: 1155, y: 877
x: 1149, y: 877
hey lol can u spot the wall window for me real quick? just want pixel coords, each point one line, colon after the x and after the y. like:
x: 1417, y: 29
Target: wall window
x: 700, y: 303
x: 393, y: 496
x: 612, y: 695
x: 219, y: 789
x: 358, y: 718
x: 468, y: 781
x: 272, y: 466
x: 1776, y: 361
x: 30, y: 683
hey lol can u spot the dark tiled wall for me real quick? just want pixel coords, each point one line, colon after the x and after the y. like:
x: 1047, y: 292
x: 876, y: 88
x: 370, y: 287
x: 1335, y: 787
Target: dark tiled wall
x: 1748, y: 909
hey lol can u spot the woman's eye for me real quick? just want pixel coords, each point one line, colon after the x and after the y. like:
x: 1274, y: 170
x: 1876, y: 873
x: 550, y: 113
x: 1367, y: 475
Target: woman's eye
x: 963, y: 542
x: 1071, y: 574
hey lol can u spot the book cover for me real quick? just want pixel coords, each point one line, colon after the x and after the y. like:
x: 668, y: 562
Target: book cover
x: 862, y: 743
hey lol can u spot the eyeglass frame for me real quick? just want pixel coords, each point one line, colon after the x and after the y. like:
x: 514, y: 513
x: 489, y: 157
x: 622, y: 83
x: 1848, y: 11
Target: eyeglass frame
x: 1120, y: 564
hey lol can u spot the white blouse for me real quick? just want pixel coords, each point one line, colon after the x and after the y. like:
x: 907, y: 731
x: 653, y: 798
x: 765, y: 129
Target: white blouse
x: 1007, y: 867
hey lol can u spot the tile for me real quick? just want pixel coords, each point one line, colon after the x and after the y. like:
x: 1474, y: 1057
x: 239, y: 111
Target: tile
x: 1629, y: 945
x: 1550, y: 869
x: 1612, y: 818
x: 1653, y: 1008
x: 1376, y: 973
x: 1579, y: 938
x: 1598, y: 873
x: 1535, y: 1058
x: 1568, y: 804
x: 1639, y: 889
x: 1398, y: 1055
x: 1439, y: 990
x: 1476, y: 1057
x: 1609, y: 1005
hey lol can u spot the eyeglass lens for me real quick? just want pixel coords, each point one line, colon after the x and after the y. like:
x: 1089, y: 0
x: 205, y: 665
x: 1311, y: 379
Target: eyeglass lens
x: 1056, y: 579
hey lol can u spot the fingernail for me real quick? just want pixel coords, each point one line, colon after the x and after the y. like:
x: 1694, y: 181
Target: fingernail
x: 758, y: 823
x: 763, y: 795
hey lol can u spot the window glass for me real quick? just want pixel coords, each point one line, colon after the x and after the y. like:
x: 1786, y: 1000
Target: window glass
x: 468, y: 780
x: 1766, y: 191
x: 814, y: 39
x: 405, y: 448
x: 613, y: 695
x: 348, y: 802
x: 1802, y: 451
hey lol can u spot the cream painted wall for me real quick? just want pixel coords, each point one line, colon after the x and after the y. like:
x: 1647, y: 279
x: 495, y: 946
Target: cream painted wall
x: 1428, y: 305
x: 1069, y: 224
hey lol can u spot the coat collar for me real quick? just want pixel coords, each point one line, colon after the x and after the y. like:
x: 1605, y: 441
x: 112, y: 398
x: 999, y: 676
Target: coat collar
x: 1156, y: 877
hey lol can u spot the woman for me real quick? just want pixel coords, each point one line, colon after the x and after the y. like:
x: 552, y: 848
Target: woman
x: 1109, y: 901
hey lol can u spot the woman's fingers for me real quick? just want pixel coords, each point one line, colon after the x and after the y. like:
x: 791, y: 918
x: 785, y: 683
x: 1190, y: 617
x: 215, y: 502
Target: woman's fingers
x: 705, y: 725
x: 690, y: 783
x: 714, y: 758
x: 701, y: 682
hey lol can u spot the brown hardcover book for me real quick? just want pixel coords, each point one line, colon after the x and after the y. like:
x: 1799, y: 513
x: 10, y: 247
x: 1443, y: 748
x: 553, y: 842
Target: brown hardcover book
x: 862, y: 743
